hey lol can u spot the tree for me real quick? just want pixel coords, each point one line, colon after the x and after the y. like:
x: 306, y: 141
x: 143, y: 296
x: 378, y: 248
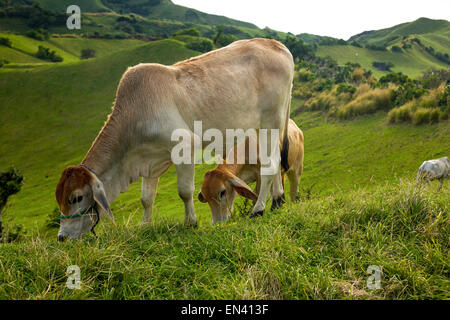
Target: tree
x: 5, y: 42
x: 10, y: 183
x: 221, y: 39
x: 87, y: 53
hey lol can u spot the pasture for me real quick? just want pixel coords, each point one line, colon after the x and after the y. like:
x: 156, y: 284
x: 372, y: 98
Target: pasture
x: 360, y: 205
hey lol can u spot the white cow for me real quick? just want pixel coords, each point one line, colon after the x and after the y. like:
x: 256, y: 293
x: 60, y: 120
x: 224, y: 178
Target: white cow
x: 434, y: 169
x: 246, y: 85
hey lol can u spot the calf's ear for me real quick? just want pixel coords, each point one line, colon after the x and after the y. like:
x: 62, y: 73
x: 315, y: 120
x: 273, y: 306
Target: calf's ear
x: 243, y: 189
x: 201, y: 198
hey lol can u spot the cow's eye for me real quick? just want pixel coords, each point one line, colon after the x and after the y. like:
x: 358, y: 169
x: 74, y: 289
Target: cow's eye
x: 79, y: 198
x: 222, y: 194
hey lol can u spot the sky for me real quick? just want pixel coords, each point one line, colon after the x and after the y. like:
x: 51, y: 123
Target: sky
x: 338, y: 18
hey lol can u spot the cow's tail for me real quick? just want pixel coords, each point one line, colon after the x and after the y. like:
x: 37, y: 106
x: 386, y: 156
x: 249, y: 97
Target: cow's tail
x: 285, y: 144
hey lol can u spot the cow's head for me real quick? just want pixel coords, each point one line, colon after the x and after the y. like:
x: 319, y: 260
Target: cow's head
x: 219, y: 190
x: 82, y: 202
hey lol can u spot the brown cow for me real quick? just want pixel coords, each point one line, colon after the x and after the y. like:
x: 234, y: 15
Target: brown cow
x: 221, y: 184
x: 246, y: 85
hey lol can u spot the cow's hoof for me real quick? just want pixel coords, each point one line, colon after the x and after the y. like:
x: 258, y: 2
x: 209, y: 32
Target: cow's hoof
x: 278, y: 203
x: 192, y: 224
x: 256, y: 214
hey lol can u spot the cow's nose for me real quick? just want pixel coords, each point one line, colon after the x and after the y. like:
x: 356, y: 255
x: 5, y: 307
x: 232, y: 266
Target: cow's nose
x: 61, y: 238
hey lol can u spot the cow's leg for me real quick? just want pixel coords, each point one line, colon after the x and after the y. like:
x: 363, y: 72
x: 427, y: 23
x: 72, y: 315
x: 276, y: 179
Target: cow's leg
x: 148, y: 193
x: 278, y: 198
x: 441, y: 181
x: 294, y: 181
x: 266, y: 182
x: 185, y: 182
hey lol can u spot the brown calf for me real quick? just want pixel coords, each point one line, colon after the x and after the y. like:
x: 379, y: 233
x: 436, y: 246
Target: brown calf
x: 221, y: 184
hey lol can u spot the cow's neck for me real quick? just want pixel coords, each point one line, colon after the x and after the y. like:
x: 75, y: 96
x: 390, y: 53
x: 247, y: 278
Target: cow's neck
x: 111, y: 158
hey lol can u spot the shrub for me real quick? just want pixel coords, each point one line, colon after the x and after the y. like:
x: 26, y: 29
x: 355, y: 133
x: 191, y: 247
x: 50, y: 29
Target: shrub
x: 45, y: 54
x: 358, y: 74
x: 39, y: 34
x: 401, y: 114
x: 87, y: 53
x: 188, y: 32
x: 383, y: 66
x: 5, y: 42
x: 304, y: 75
x: 369, y: 102
x: 342, y: 87
x: 53, y: 219
x: 421, y: 116
x: 3, y: 62
x: 434, y: 115
x: 396, y: 49
x: 11, y: 182
x: 201, y: 45
x: 376, y: 47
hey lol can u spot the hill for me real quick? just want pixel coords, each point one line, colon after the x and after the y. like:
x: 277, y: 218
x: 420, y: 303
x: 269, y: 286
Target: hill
x: 318, y: 249
x: 420, y: 26
x: 152, y: 9
x: 412, y: 61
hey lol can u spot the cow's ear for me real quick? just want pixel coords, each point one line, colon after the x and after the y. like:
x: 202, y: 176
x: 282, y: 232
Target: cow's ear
x: 243, y: 189
x: 201, y: 198
x: 100, y: 197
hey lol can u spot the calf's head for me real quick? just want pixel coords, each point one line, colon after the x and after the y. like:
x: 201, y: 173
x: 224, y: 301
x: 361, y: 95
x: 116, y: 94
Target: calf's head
x: 82, y: 201
x: 219, y: 190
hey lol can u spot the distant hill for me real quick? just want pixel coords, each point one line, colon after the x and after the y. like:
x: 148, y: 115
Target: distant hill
x: 313, y: 38
x: 154, y: 9
x: 420, y: 26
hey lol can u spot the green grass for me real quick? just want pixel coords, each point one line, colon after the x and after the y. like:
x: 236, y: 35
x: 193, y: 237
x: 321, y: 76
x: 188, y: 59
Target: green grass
x: 411, y: 62
x: 318, y: 249
x: 102, y: 47
x: 420, y: 26
x: 30, y: 46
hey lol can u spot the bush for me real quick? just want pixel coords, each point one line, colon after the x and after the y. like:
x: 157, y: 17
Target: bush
x: 383, y: 66
x: 304, y: 75
x: 11, y: 182
x: 87, y: 53
x: 421, y: 116
x: 221, y: 39
x: 53, y: 219
x: 201, y: 45
x: 369, y: 102
x: 3, y: 62
x: 342, y: 87
x: 5, y: 42
x: 188, y: 32
x: 358, y: 74
x: 396, y: 49
x: 45, y: 54
x: 39, y: 34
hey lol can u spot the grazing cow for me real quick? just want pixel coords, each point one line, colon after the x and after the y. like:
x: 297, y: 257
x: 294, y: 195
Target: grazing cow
x: 434, y: 169
x: 246, y: 85
x: 221, y: 184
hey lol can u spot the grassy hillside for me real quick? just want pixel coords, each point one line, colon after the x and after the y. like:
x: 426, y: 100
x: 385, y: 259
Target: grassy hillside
x: 420, y: 26
x: 153, y: 9
x: 411, y: 62
x: 318, y: 249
